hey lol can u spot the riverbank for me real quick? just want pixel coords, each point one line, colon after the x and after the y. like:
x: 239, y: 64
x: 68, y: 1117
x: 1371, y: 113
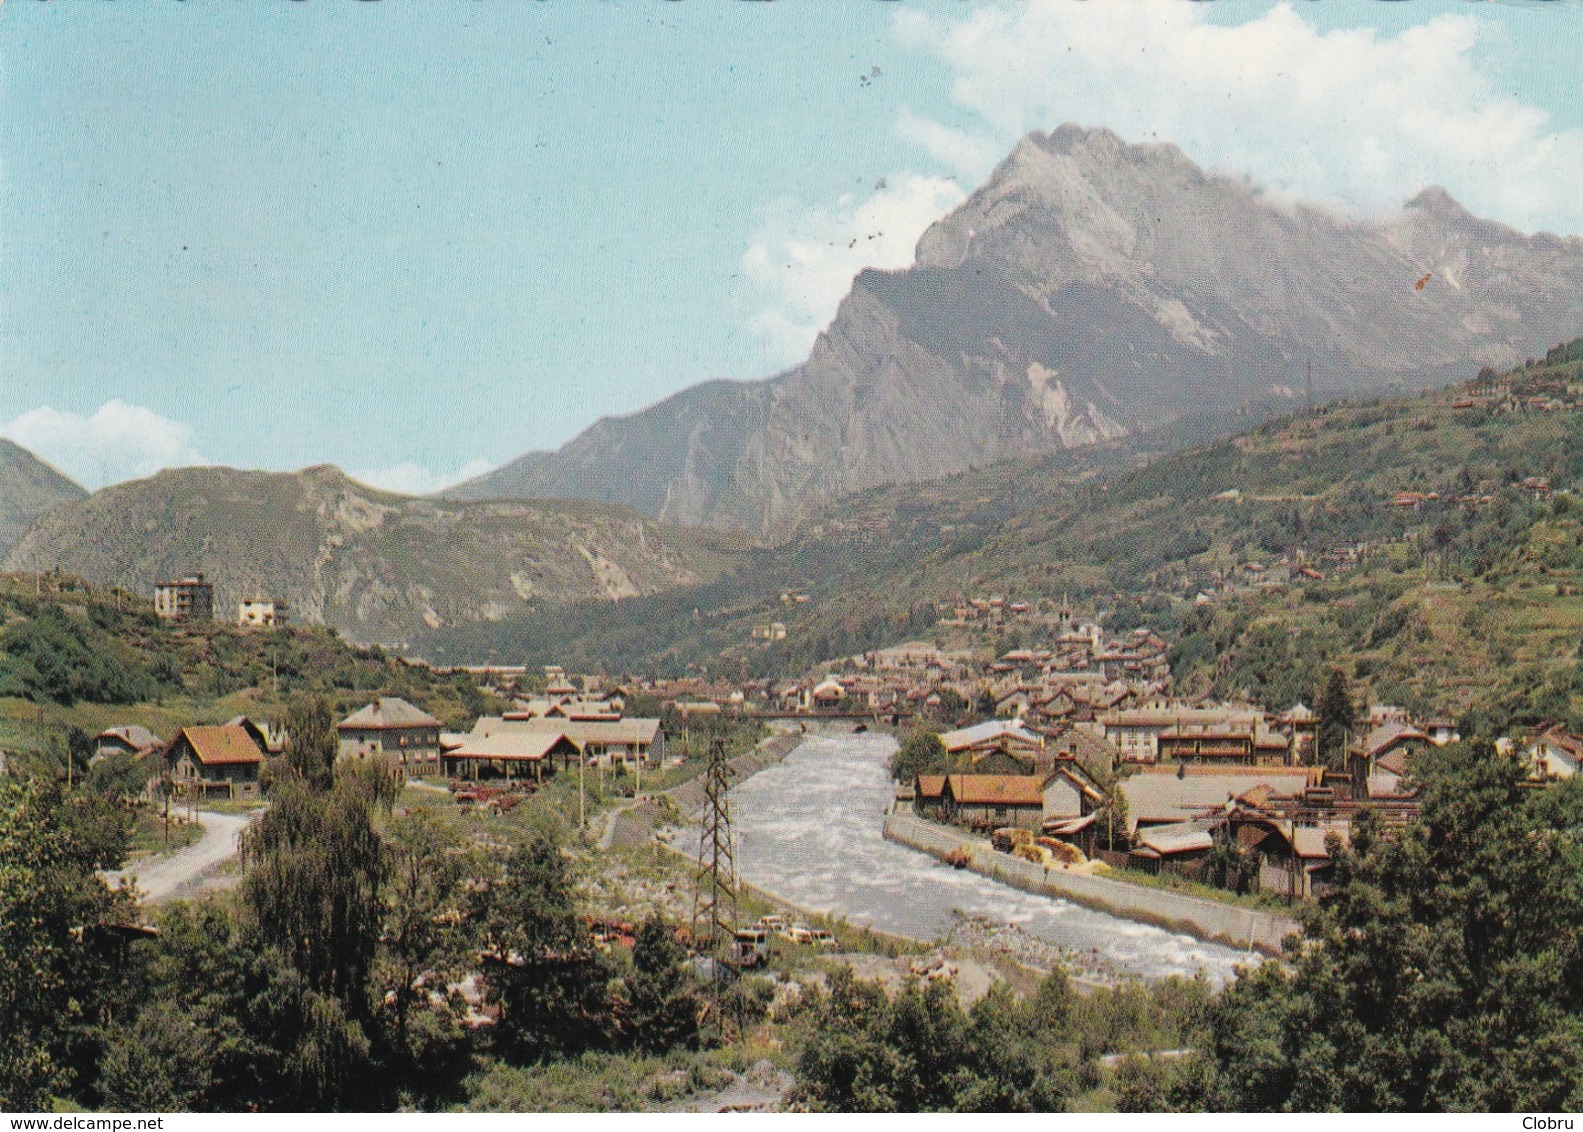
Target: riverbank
x: 809, y: 833
x: 638, y: 825
x: 1241, y: 928
x: 653, y: 823
x: 813, y: 835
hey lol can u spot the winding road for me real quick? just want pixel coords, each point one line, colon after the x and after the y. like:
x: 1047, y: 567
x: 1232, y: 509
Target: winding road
x: 165, y: 878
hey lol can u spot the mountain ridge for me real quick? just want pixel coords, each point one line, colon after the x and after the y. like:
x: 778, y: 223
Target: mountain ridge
x: 1090, y: 289
x: 29, y: 487
x: 378, y: 566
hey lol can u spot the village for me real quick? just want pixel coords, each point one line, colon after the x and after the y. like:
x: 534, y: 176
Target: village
x: 1073, y: 754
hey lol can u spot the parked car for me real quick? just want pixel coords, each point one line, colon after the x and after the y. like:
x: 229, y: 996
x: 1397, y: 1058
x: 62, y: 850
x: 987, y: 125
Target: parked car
x: 798, y: 933
x: 753, y: 947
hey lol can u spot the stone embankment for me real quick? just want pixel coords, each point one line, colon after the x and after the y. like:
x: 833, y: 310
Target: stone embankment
x: 635, y: 826
x: 1226, y: 924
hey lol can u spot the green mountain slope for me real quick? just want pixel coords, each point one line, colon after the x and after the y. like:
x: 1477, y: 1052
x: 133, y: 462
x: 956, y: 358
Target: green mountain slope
x: 1453, y: 603
x: 78, y: 656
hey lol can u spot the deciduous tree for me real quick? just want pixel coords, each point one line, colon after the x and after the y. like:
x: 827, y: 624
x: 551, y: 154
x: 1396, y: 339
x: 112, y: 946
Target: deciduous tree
x: 551, y: 985
x: 1444, y: 971
x: 314, y: 869
x: 59, y: 962
x: 425, y: 938
x: 1336, y: 716
x: 311, y: 741
x: 662, y: 1009
x: 921, y: 752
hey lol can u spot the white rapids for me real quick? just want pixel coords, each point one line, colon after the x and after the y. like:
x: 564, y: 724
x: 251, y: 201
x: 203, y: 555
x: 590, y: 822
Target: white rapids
x: 809, y: 829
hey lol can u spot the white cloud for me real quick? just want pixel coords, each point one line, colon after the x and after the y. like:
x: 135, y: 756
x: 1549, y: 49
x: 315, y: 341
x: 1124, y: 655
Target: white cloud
x: 969, y: 156
x: 414, y: 479
x: 118, y: 442
x: 1353, y: 117
x: 805, y: 257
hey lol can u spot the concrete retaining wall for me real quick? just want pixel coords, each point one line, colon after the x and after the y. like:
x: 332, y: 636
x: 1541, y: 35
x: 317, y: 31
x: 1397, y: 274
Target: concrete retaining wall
x: 1207, y: 919
x: 635, y: 826
x: 689, y: 796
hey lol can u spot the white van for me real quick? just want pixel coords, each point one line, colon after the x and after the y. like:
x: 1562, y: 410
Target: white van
x: 753, y: 947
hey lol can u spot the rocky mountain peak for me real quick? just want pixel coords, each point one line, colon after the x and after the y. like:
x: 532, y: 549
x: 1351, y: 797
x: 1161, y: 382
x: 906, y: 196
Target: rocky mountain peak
x: 1437, y: 203
x: 1090, y: 289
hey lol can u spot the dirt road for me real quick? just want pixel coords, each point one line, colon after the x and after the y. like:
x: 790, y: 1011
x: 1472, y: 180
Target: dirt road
x: 166, y: 878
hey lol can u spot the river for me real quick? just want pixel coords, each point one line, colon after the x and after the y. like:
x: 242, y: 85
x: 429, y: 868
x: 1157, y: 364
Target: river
x: 809, y: 830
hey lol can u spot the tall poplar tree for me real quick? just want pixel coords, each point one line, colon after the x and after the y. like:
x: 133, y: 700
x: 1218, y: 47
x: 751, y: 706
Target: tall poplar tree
x: 1336, y: 716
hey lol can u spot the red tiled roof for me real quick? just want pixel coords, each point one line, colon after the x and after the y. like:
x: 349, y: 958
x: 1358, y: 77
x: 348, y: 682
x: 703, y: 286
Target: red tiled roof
x: 229, y: 745
x: 997, y: 789
x: 1387, y: 735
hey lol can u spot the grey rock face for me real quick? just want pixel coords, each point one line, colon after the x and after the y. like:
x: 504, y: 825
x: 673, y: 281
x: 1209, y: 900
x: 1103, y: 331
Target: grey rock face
x: 1089, y: 290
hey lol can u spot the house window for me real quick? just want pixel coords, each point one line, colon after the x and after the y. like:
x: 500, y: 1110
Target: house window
x: 1001, y: 813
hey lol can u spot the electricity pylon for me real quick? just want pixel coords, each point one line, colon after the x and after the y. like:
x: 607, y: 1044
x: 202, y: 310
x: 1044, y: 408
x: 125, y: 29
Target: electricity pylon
x: 715, y: 881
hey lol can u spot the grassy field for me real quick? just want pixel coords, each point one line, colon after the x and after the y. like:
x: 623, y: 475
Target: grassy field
x: 149, y: 835
x: 26, y: 726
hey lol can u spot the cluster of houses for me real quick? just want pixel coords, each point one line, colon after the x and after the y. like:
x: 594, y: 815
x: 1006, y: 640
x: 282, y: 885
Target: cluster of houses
x: 991, y: 610
x: 209, y: 760
x: 554, y: 731
x: 1186, y: 781
x: 1079, y: 668
x: 1523, y: 392
x: 1295, y: 569
x: 1538, y: 488
x: 562, y: 728
x: 558, y: 729
x: 1088, y: 746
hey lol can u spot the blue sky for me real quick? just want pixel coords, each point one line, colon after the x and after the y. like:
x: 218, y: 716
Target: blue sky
x: 417, y: 240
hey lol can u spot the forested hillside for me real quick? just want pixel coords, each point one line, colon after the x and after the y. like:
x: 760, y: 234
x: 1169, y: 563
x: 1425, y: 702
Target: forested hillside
x: 76, y: 658
x: 1443, y: 528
